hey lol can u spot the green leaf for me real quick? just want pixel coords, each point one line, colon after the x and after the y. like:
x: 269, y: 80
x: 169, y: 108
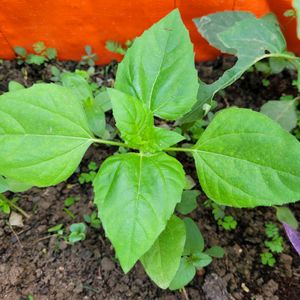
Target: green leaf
x: 4, y: 206
x: 20, y: 51
x: 51, y: 53
x: 215, y: 251
x: 78, y: 233
x: 164, y: 138
x: 296, y: 5
x: 159, y: 70
x: 278, y: 64
x: 283, y: 112
x: 83, y: 92
x: 194, y: 240
x: 162, y: 261
x: 133, y: 119
x: 44, y: 139
x: 35, y: 59
x: 103, y: 100
x: 188, y: 201
x: 3, y: 185
x: 95, y: 116
x: 136, y: 195
x: 184, y: 275
x: 245, y: 159
x: 15, y: 86
x: 200, y: 260
x: 136, y: 124
x: 39, y: 47
x: 78, y: 85
x: 285, y: 215
x: 8, y: 184
x: 212, y: 25
x: 243, y: 35
x: 17, y: 186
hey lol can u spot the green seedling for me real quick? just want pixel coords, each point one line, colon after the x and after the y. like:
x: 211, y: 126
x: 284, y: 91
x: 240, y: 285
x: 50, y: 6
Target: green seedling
x: 89, y: 58
x: 228, y: 223
x: 77, y: 233
x: 194, y: 255
x: 234, y: 157
x: 117, y: 47
x: 56, y: 74
x: 266, y: 82
x: 4, y: 206
x: 268, y: 259
x: 58, y: 230
x: 274, y: 244
x: 41, y: 54
x: 71, y: 201
x: 93, y: 220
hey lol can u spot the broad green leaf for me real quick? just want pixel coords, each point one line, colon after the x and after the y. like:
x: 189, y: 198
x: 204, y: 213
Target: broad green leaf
x: 283, y: 112
x: 278, y: 64
x: 188, y: 201
x: 194, y: 240
x: 162, y: 261
x: 103, y: 100
x: 78, y: 85
x: 212, y: 25
x: 164, y: 138
x: 17, y: 186
x: 285, y: 215
x: 215, y: 251
x: 35, y: 59
x: 95, y: 116
x: 136, y: 195
x: 8, y: 184
x: 44, y: 139
x: 3, y: 185
x: 200, y: 260
x: 245, y: 159
x: 243, y: 35
x: 136, y: 124
x: 15, y: 86
x: 133, y: 119
x: 159, y: 69
x: 81, y: 89
x: 184, y: 275
x: 296, y: 5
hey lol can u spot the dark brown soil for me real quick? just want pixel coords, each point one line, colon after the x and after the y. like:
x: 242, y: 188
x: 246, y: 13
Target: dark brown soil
x: 34, y: 262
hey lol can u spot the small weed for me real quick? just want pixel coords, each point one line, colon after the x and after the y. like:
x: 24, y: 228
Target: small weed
x: 78, y: 233
x: 93, y: 220
x: 89, y: 58
x: 267, y: 259
x: 117, y: 47
x: 274, y: 244
x: 41, y: 54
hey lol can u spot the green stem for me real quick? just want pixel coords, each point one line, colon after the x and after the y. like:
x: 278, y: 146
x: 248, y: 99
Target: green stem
x: 112, y: 143
x: 119, y: 144
x: 15, y: 207
x: 176, y: 149
x: 282, y: 55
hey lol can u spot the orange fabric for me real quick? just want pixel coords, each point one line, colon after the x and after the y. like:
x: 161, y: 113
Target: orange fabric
x: 288, y: 25
x: 69, y: 25
x: 190, y: 9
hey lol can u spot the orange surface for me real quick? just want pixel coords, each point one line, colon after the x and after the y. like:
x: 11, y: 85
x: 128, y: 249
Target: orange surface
x: 68, y: 25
